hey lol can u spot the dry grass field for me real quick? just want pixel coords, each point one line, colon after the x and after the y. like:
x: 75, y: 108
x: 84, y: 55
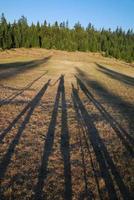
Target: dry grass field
x: 66, y: 126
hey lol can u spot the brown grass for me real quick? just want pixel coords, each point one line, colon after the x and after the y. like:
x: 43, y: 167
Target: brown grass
x: 50, y: 151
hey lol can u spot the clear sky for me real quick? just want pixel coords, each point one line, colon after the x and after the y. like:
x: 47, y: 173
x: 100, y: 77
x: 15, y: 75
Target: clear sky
x: 101, y: 13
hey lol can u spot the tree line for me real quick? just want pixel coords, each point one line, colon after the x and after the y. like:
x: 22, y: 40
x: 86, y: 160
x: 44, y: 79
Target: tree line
x: 118, y: 43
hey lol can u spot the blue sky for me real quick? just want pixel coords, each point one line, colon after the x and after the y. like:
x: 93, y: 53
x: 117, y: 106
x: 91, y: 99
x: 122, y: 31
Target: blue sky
x: 101, y: 13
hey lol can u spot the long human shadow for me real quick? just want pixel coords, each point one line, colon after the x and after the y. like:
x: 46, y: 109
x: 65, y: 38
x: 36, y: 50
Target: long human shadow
x: 116, y: 102
x: 12, y: 69
x: 8, y: 155
x: 12, y: 124
x: 81, y: 131
x: 126, y: 138
x: 116, y: 75
x: 91, y: 133
x: 106, y: 164
x: 65, y: 150
x: 49, y: 140
x: 11, y: 97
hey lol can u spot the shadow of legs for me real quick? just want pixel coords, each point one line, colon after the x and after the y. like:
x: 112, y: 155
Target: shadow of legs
x: 47, y: 147
x: 102, y: 155
x: 7, y: 157
x: 65, y: 145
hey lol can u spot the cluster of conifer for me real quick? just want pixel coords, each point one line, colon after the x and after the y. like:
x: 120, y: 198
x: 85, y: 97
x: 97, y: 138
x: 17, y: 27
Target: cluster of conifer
x: 118, y: 43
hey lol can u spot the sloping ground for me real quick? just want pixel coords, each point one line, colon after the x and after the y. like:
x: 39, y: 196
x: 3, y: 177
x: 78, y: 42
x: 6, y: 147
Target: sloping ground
x: 66, y: 126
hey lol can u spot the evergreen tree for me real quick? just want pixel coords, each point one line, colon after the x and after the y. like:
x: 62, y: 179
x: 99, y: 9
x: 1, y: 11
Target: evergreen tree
x: 118, y: 43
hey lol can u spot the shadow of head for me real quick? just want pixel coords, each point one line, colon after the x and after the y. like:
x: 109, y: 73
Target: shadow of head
x: 14, y: 68
x: 116, y: 75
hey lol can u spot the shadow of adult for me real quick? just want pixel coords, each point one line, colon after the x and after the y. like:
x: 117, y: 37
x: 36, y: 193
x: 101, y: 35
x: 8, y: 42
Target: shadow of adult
x: 49, y: 141
x: 30, y: 109
x: 106, y: 164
